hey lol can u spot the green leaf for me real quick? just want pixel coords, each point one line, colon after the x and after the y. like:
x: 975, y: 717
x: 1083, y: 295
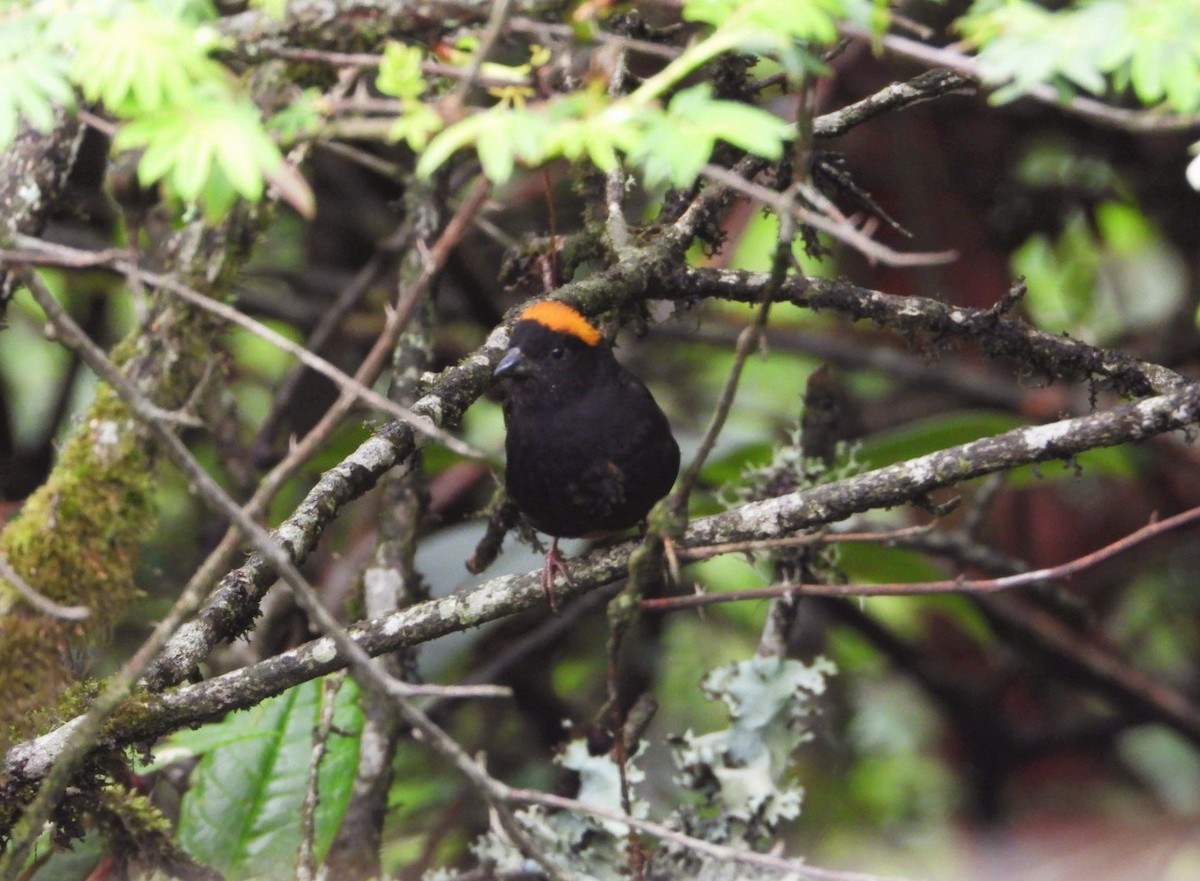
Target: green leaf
x: 751, y: 128
x: 205, y: 151
x: 1100, y: 46
x: 300, y: 118
x: 671, y: 152
x: 495, y: 146
x: 400, y: 71
x: 449, y: 141
x: 144, y: 61
x: 33, y: 79
x: 241, y: 814
x: 416, y: 125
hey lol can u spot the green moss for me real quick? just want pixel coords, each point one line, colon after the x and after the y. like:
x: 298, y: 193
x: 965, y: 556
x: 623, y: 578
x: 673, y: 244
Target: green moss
x: 78, y: 538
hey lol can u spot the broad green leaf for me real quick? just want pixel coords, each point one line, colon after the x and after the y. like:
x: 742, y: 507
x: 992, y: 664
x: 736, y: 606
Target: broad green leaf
x: 241, y: 814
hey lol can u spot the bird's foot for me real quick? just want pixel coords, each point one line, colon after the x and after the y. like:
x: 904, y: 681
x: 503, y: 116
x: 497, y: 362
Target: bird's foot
x: 553, y: 563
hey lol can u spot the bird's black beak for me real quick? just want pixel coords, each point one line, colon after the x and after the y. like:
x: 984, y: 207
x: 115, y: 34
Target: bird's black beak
x: 512, y: 366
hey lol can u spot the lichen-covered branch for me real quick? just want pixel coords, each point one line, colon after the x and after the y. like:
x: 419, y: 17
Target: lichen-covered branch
x: 932, y: 321
x: 235, y: 604
x: 77, y: 538
x: 33, y: 170
x: 828, y: 503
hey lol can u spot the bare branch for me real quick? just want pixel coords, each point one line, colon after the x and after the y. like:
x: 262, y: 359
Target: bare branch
x: 315, y: 362
x: 932, y: 588
x: 38, y: 601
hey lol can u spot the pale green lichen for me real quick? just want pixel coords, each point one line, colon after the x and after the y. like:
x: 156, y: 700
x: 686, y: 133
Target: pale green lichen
x: 741, y: 778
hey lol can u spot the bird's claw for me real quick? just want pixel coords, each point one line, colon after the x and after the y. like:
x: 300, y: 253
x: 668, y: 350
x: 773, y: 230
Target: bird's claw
x: 553, y: 563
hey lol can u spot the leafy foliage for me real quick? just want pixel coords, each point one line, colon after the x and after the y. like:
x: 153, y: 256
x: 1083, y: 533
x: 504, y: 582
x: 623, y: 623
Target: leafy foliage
x: 242, y: 812
x: 152, y: 66
x: 669, y: 144
x: 149, y: 63
x: 1096, y: 46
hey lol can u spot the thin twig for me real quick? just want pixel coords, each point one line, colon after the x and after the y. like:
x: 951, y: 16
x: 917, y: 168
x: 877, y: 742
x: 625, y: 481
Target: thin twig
x: 520, y: 25
x: 614, y: 184
x: 330, y: 319
x: 344, y: 381
x: 927, y: 86
x: 40, y: 601
x: 370, y: 60
x: 748, y: 341
x: 843, y: 232
x: 487, y: 40
x: 692, y: 554
x: 306, y: 860
x: 925, y: 588
x: 699, y: 845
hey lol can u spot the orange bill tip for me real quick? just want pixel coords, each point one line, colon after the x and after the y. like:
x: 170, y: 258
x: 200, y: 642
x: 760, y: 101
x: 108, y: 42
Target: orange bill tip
x: 561, y: 317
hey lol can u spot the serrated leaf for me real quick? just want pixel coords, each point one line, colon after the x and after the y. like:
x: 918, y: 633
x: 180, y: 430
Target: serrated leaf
x: 187, y: 145
x: 600, y: 151
x: 144, y: 60
x: 241, y: 814
x: 415, y: 126
x: 300, y: 118
x: 672, y: 153
x: 1146, y: 74
x: 713, y: 12
x: 32, y: 82
x: 1182, y: 77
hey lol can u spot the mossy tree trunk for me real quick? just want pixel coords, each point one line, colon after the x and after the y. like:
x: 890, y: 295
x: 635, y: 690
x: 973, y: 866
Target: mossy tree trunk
x: 77, y: 538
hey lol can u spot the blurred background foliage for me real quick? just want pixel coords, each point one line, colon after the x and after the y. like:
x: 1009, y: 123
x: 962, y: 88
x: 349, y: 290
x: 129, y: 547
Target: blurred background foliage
x: 953, y: 743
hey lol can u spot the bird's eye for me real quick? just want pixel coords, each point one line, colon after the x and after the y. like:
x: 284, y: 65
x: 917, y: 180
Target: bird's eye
x: 557, y: 353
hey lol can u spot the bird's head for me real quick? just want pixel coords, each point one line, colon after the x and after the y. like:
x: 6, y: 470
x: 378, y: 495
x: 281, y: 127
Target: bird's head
x: 553, y: 351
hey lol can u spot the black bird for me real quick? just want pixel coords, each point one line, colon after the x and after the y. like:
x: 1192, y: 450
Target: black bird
x: 589, y: 449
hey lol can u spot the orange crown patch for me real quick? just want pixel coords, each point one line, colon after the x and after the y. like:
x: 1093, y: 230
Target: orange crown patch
x: 561, y: 317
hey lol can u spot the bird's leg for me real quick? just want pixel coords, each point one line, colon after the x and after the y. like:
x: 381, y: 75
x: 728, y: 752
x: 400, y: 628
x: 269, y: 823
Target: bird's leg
x: 554, y: 562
